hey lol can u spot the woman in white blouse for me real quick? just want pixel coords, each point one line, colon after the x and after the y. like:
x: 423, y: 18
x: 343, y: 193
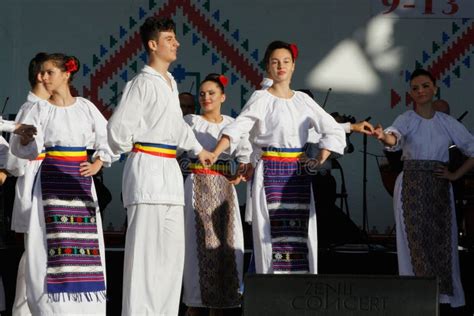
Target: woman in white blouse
x: 423, y: 200
x: 65, y: 269
x: 283, y: 212
x: 213, y: 265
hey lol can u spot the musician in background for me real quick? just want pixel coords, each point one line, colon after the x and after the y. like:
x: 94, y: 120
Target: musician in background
x: 187, y: 103
x: 441, y: 106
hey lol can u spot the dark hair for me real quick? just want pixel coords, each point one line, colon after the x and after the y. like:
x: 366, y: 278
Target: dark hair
x: 62, y: 62
x: 421, y: 72
x: 274, y: 46
x: 186, y: 93
x: 151, y: 28
x: 34, y: 68
x: 216, y: 78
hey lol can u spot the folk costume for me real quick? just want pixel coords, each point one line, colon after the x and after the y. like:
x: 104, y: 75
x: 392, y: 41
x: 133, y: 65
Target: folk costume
x: 148, y: 123
x: 424, y: 206
x: 283, y: 212
x: 213, y: 265
x: 65, y: 255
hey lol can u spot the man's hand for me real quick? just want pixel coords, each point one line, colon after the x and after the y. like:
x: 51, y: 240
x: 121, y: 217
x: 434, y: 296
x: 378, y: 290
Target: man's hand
x: 26, y: 133
x: 25, y: 130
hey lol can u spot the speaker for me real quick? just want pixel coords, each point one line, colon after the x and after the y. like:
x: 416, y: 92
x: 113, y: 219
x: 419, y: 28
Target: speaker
x: 270, y: 294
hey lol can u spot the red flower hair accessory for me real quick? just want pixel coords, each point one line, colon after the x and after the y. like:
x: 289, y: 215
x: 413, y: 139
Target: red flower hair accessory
x: 294, y: 50
x: 223, y: 80
x: 71, y: 65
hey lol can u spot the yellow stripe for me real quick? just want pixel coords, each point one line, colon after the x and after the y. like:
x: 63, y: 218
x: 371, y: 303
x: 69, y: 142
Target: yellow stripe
x: 67, y: 153
x: 281, y: 154
x: 198, y: 166
x: 156, y: 150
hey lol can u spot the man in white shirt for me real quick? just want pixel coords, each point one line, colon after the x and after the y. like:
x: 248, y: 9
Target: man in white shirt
x: 25, y: 170
x: 148, y: 123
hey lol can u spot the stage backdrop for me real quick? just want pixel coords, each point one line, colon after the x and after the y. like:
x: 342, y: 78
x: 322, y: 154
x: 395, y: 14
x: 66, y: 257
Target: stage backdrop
x: 363, y: 50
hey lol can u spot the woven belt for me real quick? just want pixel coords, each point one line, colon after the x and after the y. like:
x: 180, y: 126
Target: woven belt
x: 160, y: 150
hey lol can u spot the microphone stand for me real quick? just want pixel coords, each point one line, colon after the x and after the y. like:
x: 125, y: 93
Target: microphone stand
x: 5, y: 104
x: 326, y: 98
x: 365, y: 220
x: 462, y: 116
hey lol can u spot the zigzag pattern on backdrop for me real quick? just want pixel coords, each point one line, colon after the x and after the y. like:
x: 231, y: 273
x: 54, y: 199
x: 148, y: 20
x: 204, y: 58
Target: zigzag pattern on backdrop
x: 115, y: 59
x: 453, y: 55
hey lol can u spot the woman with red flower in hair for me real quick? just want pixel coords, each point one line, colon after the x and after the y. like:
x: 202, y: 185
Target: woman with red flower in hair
x: 65, y: 270
x: 213, y: 265
x: 283, y: 211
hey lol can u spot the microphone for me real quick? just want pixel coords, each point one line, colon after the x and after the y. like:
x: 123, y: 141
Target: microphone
x: 5, y: 104
x: 326, y: 98
x: 368, y: 118
x: 462, y: 116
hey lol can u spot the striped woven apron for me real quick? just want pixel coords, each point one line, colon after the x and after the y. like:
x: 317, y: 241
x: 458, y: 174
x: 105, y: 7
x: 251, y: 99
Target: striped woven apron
x: 287, y: 190
x: 74, y: 261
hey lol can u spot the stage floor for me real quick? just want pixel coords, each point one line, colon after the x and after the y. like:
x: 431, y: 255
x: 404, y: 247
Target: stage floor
x: 348, y: 259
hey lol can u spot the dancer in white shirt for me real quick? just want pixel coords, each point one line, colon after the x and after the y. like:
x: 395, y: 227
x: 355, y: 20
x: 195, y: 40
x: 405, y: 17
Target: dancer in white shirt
x: 65, y: 266
x: 213, y: 265
x: 25, y: 170
x: 283, y: 213
x: 427, y: 243
x: 148, y: 123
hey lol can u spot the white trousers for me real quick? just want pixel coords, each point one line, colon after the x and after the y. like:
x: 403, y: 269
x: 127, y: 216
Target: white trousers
x: 154, y: 260
x: 20, y: 305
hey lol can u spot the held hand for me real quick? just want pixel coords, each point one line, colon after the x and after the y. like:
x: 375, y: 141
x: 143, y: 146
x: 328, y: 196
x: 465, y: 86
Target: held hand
x: 25, y: 130
x: 25, y: 140
x: 3, y: 176
x: 311, y: 165
x: 206, y: 158
x: 88, y: 169
x: 246, y: 170
x: 378, y: 132
x: 362, y: 127
x: 442, y: 172
x: 235, y: 180
x: 26, y: 133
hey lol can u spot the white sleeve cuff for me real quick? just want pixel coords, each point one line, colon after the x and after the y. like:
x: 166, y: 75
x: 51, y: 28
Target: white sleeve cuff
x: 7, y: 126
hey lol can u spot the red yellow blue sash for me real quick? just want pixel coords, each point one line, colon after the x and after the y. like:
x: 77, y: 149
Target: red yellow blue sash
x: 41, y: 156
x: 161, y: 150
x: 282, y: 154
x: 220, y: 167
x: 66, y: 153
